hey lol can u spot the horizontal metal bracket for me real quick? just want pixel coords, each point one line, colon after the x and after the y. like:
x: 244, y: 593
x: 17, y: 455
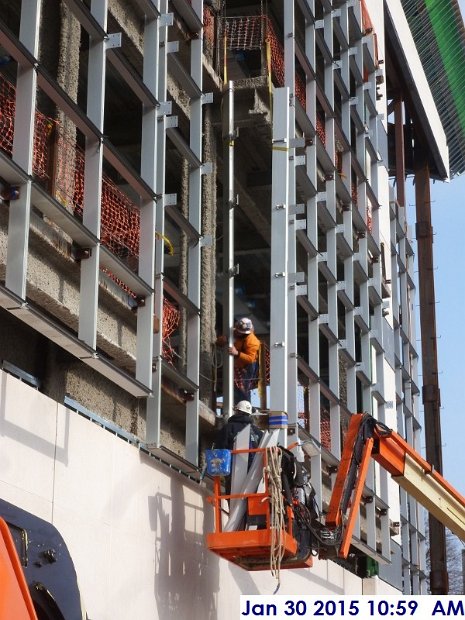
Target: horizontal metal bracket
x: 78, y: 254
x: 171, y: 122
x: 207, y: 167
x: 172, y: 47
x: 319, y: 23
x: 207, y: 98
x: 206, y: 241
x: 300, y: 160
x: 299, y: 276
x: 167, y: 19
x: 165, y: 108
x: 113, y: 41
x: 301, y: 290
x: 297, y: 143
x: 353, y: 101
x: 321, y: 197
x: 170, y: 200
x: 337, y: 64
x: 352, y: 51
x: 298, y: 209
x: 301, y: 224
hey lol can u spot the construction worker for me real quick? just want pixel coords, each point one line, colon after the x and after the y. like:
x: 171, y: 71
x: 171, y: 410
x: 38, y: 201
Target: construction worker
x: 239, y: 420
x: 245, y: 351
x: 227, y: 433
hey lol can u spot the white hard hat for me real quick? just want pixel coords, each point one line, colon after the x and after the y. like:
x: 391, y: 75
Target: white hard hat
x: 244, y: 406
x: 244, y: 326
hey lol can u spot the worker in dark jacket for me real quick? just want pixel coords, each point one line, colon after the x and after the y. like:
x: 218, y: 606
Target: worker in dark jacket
x: 227, y: 434
x: 239, y: 420
x: 245, y: 351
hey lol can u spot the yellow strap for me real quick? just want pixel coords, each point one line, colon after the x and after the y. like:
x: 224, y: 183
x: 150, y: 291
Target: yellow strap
x: 225, y: 59
x: 268, y: 71
x: 168, y: 243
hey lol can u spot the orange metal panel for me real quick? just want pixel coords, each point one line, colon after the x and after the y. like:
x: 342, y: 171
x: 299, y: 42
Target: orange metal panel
x: 334, y: 516
x: 15, y: 600
x: 357, y: 495
x: 390, y: 455
x: 258, y: 506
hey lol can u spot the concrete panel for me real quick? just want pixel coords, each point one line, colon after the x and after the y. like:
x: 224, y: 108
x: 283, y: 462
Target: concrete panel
x: 89, y: 543
x: 375, y: 585
x: 83, y: 477
x: 131, y: 578
x: 28, y: 501
x: 133, y: 480
x: 134, y: 527
x: 27, y: 432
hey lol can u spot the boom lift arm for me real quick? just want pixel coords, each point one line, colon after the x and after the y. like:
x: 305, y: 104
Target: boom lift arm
x: 302, y: 534
x: 366, y: 438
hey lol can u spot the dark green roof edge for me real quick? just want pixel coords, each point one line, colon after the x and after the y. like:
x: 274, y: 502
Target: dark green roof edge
x: 440, y: 22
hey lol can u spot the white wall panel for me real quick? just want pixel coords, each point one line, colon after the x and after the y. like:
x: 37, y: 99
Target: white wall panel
x: 135, y: 528
x: 28, y: 431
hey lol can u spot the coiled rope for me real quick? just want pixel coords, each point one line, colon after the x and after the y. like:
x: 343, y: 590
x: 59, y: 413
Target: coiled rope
x: 277, y: 513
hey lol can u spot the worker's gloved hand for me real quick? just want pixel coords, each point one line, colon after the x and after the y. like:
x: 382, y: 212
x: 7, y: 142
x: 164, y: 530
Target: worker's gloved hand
x: 233, y: 351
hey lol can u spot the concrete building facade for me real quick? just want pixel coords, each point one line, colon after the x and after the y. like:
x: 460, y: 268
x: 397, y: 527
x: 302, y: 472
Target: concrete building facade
x: 166, y: 167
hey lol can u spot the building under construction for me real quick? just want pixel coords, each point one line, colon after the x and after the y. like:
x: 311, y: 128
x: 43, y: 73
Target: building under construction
x: 167, y: 167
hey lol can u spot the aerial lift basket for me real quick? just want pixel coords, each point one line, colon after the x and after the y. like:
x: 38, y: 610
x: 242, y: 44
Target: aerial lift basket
x: 251, y: 546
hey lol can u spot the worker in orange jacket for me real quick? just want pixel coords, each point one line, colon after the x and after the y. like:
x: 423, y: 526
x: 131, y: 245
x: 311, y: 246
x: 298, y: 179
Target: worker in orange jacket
x: 245, y: 351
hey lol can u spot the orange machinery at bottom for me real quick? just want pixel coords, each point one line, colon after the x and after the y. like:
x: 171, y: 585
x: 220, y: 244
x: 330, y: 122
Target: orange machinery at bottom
x: 252, y: 548
x: 15, y: 601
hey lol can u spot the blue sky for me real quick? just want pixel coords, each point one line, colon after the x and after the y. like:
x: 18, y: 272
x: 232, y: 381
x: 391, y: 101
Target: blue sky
x: 448, y: 219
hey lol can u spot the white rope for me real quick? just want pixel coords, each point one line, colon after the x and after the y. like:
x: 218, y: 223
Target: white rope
x: 277, y: 512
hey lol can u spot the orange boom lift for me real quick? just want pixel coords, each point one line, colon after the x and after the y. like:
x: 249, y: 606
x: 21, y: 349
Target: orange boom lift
x: 366, y: 438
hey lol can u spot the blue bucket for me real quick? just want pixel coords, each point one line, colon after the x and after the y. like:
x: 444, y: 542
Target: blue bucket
x: 218, y: 462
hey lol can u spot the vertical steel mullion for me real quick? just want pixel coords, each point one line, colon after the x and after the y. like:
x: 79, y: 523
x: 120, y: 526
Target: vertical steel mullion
x: 312, y: 267
x: 153, y: 423
x: 194, y: 251
x: 149, y: 163
x: 23, y: 151
x: 279, y: 251
x: 228, y: 135
x: 331, y: 244
x: 289, y: 81
x: 88, y: 301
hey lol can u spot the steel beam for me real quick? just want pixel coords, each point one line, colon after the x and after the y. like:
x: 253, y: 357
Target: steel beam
x: 429, y: 358
x: 23, y: 148
x: 279, y: 346
x: 229, y: 201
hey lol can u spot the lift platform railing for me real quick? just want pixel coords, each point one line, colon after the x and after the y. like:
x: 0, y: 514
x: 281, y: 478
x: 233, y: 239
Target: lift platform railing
x: 259, y: 538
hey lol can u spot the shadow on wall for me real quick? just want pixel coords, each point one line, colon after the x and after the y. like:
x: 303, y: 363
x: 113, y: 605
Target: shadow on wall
x: 186, y: 573
x: 22, y: 422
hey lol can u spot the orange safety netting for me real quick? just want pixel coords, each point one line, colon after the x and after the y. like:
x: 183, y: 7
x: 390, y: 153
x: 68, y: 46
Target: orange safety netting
x: 368, y: 28
x: 43, y: 127
x: 244, y: 33
x: 120, y: 218
x: 256, y: 31
x: 59, y: 163
x: 208, y: 25
x: 171, y: 320
x: 354, y: 194
x: 369, y: 218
